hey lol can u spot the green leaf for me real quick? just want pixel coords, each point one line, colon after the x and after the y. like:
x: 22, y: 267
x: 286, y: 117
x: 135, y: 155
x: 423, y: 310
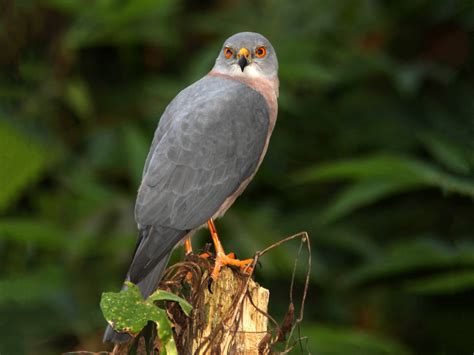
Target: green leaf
x: 391, y: 167
x: 449, y: 282
x: 161, y: 295
x: 380, y: 176
x: 446, y: 153
x: 404, y: 258
x: 127, y: 311
x: 325, y: 340
x: 349, y: 241
x: 362, y: 194
x: 165, y: 333
x: 21, y: 160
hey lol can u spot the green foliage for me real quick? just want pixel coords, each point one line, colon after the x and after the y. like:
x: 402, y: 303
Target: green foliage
x: 118, y: 22
x: 404, y: 257
x: 127, y: 311
x: 34, y: 232
x: 446, y: 283
x: 372, y: 154
x: 328, y: 341
x: 34, y: 288
x: 378, y: 177
x: 22, y: 162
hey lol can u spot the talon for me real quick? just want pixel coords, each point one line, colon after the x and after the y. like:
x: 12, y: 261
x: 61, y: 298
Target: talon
x: 222, y: 260
x: 188, y: 248
x: 247, y: 269
x: 205, y: 255
x: 209, y: 284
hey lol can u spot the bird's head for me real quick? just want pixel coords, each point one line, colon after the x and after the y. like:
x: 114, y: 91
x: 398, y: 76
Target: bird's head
x: 247, y: 54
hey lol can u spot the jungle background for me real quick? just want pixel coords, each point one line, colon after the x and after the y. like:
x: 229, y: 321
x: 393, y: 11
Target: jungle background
x: 373, y: 155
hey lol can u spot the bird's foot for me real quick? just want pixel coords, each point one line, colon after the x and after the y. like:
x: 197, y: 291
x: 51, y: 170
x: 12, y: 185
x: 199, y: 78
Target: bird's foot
x: 206, y: 255
x: 223, y: 259
x: 229, y: 259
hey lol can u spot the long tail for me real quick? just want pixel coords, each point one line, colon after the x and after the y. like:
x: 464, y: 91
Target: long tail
x: 152, y: 254
x: 147, y: 286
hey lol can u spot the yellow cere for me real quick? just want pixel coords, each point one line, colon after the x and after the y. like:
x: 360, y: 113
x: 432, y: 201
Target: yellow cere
x: 243, y: 52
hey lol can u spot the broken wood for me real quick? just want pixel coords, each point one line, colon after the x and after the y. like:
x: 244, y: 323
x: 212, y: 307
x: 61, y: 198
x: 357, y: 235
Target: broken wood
x: 232, y: 319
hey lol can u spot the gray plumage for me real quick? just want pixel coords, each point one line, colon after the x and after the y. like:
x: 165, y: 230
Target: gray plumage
x: 209, y: 140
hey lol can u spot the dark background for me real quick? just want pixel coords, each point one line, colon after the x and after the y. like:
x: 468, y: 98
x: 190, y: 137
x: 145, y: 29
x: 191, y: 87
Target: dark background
x: 373, y: 155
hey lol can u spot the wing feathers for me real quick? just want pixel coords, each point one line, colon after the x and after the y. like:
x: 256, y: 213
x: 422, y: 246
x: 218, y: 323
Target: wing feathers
x: 211, y: 140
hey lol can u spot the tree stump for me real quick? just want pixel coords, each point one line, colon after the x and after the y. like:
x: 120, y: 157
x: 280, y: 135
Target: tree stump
x: 230, y: 320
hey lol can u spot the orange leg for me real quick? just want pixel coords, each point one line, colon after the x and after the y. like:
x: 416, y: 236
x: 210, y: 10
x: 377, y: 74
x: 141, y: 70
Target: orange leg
x: 221, y: 257
x: 188, y: 248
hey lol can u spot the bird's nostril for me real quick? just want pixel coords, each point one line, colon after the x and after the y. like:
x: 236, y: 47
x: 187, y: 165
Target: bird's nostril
x: 243, y: 52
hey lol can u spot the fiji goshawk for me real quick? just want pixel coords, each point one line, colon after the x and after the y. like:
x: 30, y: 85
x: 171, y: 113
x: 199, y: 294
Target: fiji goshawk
x: 208, y: 146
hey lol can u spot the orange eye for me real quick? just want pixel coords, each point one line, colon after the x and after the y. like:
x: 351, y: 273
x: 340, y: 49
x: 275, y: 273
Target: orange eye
x: 228, y: 52
x: 261, y: 52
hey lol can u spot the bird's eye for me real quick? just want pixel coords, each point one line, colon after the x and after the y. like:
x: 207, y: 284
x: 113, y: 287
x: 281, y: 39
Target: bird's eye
x: 228, y: 52
x: 261, y: 52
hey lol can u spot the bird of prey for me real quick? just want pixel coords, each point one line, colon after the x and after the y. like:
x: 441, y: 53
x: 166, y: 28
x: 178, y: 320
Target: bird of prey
x: 209, y: 143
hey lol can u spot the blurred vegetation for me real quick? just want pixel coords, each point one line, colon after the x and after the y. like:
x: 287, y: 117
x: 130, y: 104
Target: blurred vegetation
x: 373, y: 154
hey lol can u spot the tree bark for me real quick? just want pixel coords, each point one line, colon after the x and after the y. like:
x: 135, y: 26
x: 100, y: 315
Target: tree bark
x: 230, y: 320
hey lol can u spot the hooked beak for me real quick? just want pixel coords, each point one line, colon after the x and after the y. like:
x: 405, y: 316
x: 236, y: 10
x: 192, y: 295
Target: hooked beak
x: 243, y: 58
x: 242, y: 62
